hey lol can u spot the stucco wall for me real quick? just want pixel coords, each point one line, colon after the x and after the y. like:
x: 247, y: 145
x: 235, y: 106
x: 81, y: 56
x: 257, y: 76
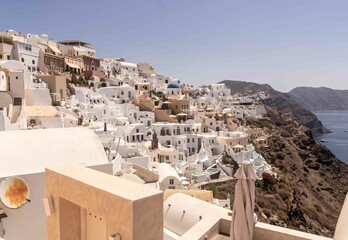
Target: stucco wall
x: 37, y: 97
x: 5, y: 100
x: 132, y: 210
x: 3, y: 81
x: 56, y: 84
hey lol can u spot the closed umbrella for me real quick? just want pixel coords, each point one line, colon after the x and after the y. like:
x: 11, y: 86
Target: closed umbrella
x: 242, y: 225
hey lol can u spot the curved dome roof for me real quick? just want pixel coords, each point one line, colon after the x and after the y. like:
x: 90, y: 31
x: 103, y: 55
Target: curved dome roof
x: 173, y: 85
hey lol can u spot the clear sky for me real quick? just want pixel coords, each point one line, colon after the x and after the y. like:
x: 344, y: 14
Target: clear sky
x: 285, y: 43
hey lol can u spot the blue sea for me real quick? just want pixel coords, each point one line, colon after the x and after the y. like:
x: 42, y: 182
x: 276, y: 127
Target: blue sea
x: 337, y: 141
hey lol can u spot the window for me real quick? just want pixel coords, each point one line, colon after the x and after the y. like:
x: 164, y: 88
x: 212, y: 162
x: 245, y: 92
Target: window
x: 133, y: 138
x: 16, y: 77
x: 188, y: 140
x: 33, y: 61
x: 17, y: 101
x: 22, y: 59
x: 179, y: 142
x: 137, y: 130
x: 171, y: 181
x: 167, y: 157
x: 193, y: 140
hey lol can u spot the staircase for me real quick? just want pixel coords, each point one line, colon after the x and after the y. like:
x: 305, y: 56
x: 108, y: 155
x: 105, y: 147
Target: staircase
x: 16, y: 111
x: 161, y: 115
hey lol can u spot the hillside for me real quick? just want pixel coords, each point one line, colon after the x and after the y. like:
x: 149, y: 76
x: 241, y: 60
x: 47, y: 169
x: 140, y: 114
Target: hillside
x: 282, y: 102
x: 310, y: 186
x: 319, y: 99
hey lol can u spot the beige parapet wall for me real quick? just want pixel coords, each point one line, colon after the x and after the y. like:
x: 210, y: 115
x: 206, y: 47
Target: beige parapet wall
x: 90, y: 205
x: 193, y: 219
x: 271, y: 232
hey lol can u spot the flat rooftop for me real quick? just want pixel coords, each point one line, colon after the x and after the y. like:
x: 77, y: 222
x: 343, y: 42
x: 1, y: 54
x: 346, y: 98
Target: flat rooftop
x: 108, y: 183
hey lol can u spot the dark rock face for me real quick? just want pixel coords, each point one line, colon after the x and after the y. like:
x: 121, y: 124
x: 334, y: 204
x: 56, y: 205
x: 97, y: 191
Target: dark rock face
x: 316, y: 99
x: 282, y: 102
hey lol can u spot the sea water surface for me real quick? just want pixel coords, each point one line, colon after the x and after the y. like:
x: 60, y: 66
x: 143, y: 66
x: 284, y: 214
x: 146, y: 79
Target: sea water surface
x: 337, y: 141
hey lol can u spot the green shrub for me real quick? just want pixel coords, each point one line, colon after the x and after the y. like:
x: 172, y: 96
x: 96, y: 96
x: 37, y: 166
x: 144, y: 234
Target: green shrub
x: 212, y: 187
x: 55, y: 103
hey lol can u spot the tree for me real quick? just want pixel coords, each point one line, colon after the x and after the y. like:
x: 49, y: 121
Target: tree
x: 73, y: 78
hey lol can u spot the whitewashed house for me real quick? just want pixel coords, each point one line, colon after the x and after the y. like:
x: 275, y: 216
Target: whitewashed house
x: 168, y: 177
x: 174, y: 90
x: 119, y: 94
x: 134, y: 132
x: 26, y: 53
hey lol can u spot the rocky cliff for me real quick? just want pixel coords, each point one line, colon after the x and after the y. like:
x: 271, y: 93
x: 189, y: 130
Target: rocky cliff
x: 318, y: 99
x: 311, y: 183
x: 282, y: 102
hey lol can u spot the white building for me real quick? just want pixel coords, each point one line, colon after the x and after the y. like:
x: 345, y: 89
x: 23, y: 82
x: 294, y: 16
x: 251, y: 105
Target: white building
x: 174, y: 90
x: 28, y: 54
x: 219, y: 89
x: 128, y: 68
x: 168, y: 177
x: 134, y: 132
x: 76, y: 48
x: 119, y: 94
x: 14, y: 76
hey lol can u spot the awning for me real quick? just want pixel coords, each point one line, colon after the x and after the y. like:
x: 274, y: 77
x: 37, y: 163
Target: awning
x: 72, y: 65
x: 54, y: 48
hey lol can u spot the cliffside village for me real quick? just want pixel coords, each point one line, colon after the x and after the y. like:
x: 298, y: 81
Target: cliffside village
x: 60, y: 104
